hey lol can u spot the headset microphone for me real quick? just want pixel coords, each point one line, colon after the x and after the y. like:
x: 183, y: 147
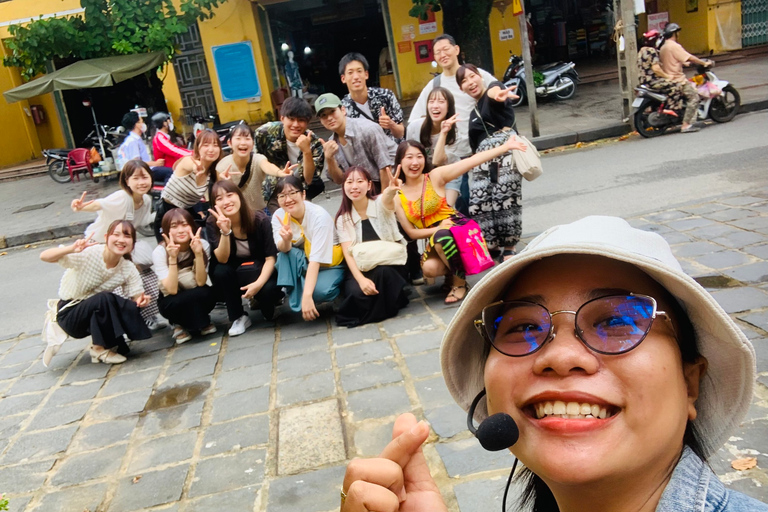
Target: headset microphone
x: 497, y: 432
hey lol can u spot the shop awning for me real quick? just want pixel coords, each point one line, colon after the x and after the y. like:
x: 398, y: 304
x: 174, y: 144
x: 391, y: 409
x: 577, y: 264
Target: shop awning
x: 87, y: 74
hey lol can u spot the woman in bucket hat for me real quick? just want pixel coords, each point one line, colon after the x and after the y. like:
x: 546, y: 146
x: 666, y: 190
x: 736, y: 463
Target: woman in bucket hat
x: 620, y: 373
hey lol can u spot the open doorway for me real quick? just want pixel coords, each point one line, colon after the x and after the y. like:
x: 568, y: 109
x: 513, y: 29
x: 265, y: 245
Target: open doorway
x: 320, y: 32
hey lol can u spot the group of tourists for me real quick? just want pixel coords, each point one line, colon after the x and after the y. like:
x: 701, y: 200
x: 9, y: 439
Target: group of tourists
x: 243, y: 226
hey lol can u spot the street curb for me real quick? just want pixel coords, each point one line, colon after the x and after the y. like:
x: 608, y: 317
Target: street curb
x: 615, y: 130
x: 43, y: 235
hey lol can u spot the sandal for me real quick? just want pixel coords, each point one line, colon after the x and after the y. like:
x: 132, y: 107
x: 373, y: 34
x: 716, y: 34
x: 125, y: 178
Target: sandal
x: 447, y: 284
x: 506, y: 254
x: 452, y: 298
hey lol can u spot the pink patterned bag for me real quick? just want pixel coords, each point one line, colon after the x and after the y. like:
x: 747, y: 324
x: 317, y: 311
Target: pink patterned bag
x: 472, y: 247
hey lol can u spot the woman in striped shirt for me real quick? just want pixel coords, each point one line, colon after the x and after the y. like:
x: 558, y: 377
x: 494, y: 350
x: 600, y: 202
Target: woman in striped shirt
x: 192, y: 178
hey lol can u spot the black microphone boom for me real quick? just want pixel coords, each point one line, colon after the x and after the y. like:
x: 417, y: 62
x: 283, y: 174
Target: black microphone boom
x: 497, y: 432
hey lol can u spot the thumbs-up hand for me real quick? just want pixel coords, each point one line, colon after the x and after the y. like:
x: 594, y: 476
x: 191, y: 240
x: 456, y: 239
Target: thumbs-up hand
x: 385, y: 121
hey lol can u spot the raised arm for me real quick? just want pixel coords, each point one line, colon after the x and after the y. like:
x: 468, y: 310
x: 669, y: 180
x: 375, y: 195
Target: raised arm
x: 54, y: 254
x: 81, y: 205
x: 439, y: 157
x: 225, y: 228
x: 446, y: 173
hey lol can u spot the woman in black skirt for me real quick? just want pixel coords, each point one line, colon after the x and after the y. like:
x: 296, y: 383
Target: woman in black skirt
x: 496, y: 189
x: 244, y: 256
x: 88, y: 304
x: 181, y: 265
x: 378, y: 293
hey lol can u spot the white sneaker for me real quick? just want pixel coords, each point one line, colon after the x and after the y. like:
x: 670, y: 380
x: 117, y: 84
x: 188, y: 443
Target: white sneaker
x: 239, y: 326
x: 157, y: 323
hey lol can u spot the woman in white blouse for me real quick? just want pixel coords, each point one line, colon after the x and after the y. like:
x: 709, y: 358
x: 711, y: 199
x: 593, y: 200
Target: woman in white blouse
x: 379, y: 292
x: 88, y: 305
x: 131, y: 203
x: 181, y: 264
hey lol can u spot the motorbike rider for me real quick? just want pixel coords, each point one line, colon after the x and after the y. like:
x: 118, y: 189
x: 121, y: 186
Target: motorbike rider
x: 162, y: 144
x: 652, y: 76
x: 673, y: 57
x: 133, y: 147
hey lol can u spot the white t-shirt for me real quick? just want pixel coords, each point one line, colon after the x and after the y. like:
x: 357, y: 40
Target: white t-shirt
x: 119, y: 206
x: 414, y: 133
x: 464, y: 105
x: 365, y: 108
x: 160, y: 260
x: 318, y: 229
x: 294, y: 152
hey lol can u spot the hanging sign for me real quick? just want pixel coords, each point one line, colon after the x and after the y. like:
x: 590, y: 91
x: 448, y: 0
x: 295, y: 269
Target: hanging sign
x: 517, y: 8
x: 236, y: 71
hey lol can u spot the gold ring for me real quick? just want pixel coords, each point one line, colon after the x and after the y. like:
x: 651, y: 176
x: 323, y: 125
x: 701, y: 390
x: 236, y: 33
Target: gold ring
x: 343, y: 496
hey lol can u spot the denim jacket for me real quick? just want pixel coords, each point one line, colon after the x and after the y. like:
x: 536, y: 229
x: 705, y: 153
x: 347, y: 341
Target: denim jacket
x: 695, y: 488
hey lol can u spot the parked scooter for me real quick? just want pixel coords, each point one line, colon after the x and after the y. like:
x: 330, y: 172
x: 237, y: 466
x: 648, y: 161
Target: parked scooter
x: 201, y: 123
x: 557, y: 79
x: 56, y: 159
x: 720, y: 102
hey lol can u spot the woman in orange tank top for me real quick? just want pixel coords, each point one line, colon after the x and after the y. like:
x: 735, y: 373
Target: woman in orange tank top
x: 423, y: 211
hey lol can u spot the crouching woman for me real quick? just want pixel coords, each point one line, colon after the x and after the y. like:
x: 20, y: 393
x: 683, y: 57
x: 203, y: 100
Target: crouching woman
x: 181, y: 264
x: 309, y: 258
x: 88, y: 305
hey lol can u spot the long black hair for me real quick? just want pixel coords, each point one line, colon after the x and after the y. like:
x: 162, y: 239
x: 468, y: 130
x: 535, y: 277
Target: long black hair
x: 425, y: 133
x: 403, y: 147
x: 346, y: 202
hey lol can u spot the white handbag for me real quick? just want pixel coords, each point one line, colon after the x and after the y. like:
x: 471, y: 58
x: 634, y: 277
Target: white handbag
x: 52, y: 332
x: 369, y: 255
x: 528, y: 162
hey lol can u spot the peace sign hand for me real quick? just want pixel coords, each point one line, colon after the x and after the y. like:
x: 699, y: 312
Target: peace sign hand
x: 229, y: 172
x: 506, y: 94
x: 79, y: 204
x: 195, y: 243
x: 288, y: 170
x: 222, y: 221
x: 171, y: 248
x: 200, y: 169
x: 81, y: 244
x: 447, y: 124
x: 394, y: 183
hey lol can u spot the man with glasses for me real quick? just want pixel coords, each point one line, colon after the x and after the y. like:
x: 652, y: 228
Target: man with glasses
x: 288, y: 140
x: 372, y: 103
x: 354, y: 142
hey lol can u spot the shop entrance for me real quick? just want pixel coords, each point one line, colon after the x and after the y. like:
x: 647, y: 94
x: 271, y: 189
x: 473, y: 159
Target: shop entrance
x: 573, y: 30
x: 320, y: 33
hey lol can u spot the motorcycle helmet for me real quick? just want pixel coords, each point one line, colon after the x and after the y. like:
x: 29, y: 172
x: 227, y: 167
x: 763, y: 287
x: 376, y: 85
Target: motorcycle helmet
x: 159, y: 119
x: 670, y: 29
x: 651, y: 38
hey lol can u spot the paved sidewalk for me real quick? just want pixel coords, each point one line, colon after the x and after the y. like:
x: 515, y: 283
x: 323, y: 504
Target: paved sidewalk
x: 267, y: 421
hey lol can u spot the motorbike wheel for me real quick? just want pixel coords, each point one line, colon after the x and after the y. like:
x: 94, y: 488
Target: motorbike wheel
x: 642, y: 124
x: 520, y: 91
x: 570, y: 88
x: 725, y: 107
x: 58, y: 171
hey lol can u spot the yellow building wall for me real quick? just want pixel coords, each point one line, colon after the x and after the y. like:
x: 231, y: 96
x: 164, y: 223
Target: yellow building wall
x: 695, y: 29
x: 171, y: 93
x: 25, y: 9
x: 236, y: 21
x: 724, y: 22
x: 49, y: 133
x: 498, y: 22
x: 19, y: 141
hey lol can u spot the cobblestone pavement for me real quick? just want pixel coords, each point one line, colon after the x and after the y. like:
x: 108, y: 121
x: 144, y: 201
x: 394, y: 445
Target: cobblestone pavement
x: 266, y: 421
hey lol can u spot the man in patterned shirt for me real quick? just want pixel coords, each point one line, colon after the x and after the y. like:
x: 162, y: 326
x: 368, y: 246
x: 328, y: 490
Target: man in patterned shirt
x: 373, y: 103
x: 289, y: 140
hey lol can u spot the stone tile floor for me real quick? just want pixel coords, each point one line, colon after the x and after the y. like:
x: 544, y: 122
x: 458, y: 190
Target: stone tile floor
x: 266, y: 421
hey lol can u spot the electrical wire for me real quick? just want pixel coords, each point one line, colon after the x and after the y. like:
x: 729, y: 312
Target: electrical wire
x: 506, y: 489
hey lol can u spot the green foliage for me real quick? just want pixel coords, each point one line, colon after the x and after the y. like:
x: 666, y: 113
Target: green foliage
x: 3, y: 503
x: 107, y: 27
x: 421, y: 8
x: 538, y: 78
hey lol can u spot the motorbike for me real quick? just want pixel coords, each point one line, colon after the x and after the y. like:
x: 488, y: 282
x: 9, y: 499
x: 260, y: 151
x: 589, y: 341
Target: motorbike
x: 222, y: 130
x: 720, y: 101
x: 557, y: 79
x: 56, y: 159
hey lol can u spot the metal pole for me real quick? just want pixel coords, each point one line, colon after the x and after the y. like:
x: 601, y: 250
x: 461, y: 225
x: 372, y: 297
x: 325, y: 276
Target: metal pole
x: 628, y: 58
x: 530, y: 89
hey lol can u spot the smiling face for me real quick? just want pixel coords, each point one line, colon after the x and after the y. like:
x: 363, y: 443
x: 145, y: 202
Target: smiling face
x: 332, y: 118
x: 437, y: 107
x: 120, y: 240
x: 294, y: 127
x: 412, y: 163
x: 229, y: 202
x: 355, y: 76
x: 291, y: 200
x: 356, y: 186
x: 209, y: 150
x: 140, y: 181
x: 473, y: 84
x: 241, y: 144
x: 180, y: 231
x: 446, y: 54
x: 642, y: 399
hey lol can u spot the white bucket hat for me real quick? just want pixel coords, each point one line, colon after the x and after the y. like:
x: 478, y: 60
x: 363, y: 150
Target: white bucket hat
x: 726, y: 390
